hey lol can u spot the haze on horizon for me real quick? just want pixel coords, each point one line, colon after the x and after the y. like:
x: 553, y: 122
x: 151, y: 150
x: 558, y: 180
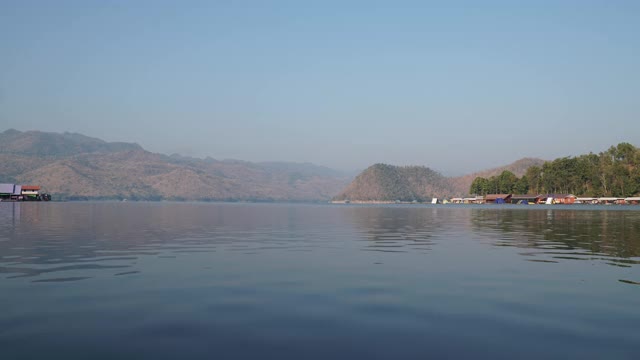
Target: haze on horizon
x: 456, y: 86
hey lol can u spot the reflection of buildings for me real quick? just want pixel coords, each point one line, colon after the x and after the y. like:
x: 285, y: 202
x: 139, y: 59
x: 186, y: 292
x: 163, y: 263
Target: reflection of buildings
x: 60, y: 233
x: 564, y: 231
x: 13, y: 192
x: 10, y: 213
x: 612, y: 233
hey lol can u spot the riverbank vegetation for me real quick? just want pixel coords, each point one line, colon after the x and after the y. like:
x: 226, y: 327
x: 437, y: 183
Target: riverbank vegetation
x: 615, y: 172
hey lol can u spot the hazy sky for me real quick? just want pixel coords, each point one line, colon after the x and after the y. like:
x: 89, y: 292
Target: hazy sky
x: 454, y: 85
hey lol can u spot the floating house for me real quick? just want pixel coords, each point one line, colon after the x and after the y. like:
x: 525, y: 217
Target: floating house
x: 525, y: 199
x: 557, y: 199
x: 611, y: 200
x: 548, y: 199
x: 30, y: 190
x: 6, y: 191
x: 10, y: 192
x: 586, y: 200
x: 497, y: 198
x: 13, y: 192
x: 468, y: 200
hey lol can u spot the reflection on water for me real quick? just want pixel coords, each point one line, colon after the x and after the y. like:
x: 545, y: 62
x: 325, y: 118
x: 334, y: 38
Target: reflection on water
x: 161, y: 280
x: 39, y: 239
x: 567, y: 234
x: 401, y: 230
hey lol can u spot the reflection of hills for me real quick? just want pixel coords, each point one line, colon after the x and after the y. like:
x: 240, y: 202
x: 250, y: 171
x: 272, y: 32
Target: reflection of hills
x: 45, y: 238
x: 80, y: 239
x: 399, y: 229
x: 564, y: 234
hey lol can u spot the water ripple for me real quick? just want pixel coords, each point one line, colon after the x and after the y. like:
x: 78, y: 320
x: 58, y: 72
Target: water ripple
x: 62, y: 279
x: 29, y: 272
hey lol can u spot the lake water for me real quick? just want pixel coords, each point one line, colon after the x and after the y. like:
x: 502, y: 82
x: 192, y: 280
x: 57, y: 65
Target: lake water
x: 281, y: 281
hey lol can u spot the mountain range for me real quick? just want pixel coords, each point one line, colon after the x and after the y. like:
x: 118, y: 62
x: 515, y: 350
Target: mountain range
x: 75, y: 166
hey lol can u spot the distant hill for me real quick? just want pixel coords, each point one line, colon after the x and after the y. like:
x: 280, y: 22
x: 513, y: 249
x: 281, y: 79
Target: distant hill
x: 74, y: 166
x: 47, y: 144
x: 381, y: 182
x: 461, y: 184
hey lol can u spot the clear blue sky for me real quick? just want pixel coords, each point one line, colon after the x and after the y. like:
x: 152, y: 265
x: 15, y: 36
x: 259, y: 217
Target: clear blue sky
x: 454, y: 85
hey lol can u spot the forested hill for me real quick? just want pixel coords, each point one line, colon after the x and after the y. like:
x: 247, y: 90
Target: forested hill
x: 382, y: 182
x: 462, y: 183
x: 614, y: 172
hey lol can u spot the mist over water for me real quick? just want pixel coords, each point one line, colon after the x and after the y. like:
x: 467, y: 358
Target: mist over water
x: 203, y: 280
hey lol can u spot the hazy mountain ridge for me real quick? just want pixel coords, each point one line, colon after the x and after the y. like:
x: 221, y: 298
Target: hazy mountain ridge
x: 79, y: 167
x: 75, y: 166
x: 38, y: 143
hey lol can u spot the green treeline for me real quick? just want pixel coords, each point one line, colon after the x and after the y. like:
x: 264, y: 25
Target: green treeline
x: 615, y: 172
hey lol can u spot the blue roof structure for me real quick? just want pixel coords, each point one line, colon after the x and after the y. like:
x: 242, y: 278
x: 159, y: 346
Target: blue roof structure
x: 7, y: 188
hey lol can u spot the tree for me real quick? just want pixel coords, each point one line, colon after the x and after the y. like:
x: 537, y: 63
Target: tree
x: 534, y: 177
x: 522, y: 185
x: 506, y: 182
x: 479, y: 186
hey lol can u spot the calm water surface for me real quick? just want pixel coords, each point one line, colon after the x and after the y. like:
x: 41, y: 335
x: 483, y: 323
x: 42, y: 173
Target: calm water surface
x: 247, y: 281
